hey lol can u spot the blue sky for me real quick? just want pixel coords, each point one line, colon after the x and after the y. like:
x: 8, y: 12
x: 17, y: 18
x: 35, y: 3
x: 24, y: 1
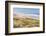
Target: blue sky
x: 27, y: 10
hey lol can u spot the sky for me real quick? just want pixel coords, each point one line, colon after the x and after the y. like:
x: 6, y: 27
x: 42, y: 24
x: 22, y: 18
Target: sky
x: 27, y: 10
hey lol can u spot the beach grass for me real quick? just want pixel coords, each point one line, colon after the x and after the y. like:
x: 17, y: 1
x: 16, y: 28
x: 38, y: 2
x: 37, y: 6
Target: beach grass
x: 25, y: 22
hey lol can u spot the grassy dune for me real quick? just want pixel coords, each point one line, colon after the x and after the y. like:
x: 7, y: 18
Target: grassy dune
x: 25, y: 22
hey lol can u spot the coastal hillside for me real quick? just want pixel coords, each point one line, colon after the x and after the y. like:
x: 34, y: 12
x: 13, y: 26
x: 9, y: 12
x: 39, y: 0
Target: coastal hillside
x: 25, y: 20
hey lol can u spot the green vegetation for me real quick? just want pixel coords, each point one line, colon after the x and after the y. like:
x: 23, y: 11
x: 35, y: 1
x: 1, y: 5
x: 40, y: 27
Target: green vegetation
x: 25, y: 22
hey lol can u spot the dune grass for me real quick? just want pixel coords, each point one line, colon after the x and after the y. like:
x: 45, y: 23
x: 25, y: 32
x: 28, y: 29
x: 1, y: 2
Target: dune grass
x: 27, y: 22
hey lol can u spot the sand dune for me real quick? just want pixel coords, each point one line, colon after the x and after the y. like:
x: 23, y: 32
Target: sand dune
x: 21, y: 15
